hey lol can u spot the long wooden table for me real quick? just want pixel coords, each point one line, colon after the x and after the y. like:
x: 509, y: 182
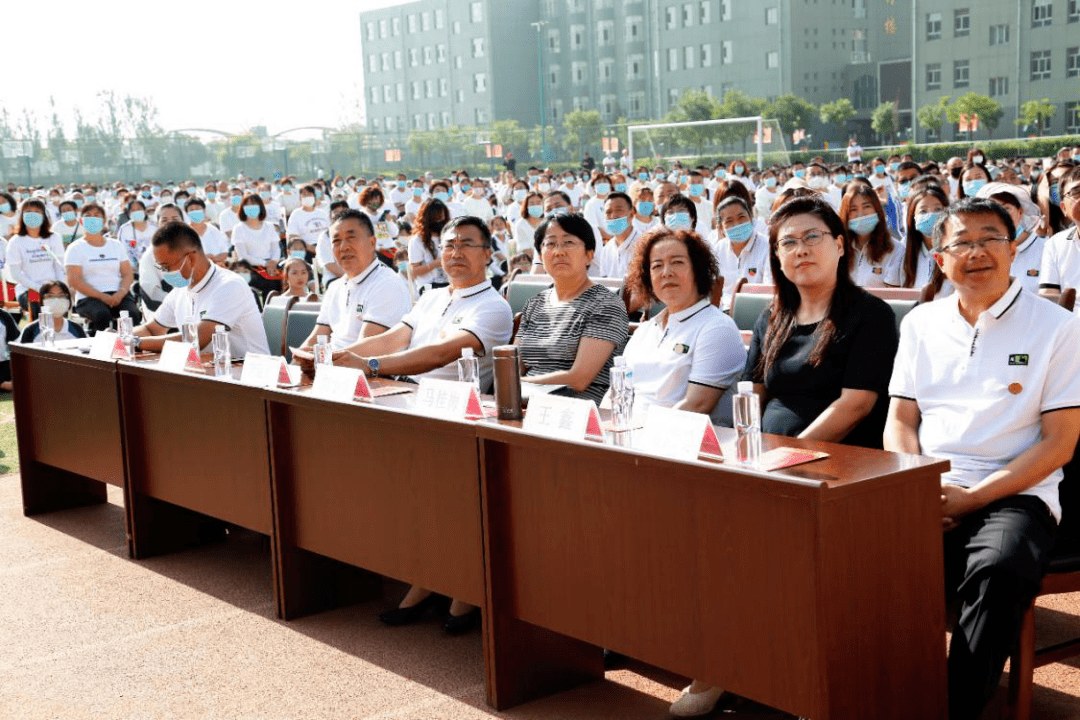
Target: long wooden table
x: 817, y: 590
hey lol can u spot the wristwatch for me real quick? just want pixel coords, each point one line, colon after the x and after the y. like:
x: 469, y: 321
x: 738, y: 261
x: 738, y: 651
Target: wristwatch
x: 373, y: 366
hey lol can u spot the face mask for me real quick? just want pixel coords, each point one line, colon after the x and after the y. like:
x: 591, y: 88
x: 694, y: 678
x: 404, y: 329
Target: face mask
x: 839, y: 179
x: 720, y: 174
x: 196, y: 216
x: 678, y: 221
x: 164, y: 199
x: 403, y: 268
x: 740, y: 233
x: 466, y: 187
x: 602, y: 188
x: 251, y: 211
x: 442, y: 196
x: 176, y: 278
x: 800, y: 173
x: 620, y: 187
x: 520, y: 194
x: 658, y: 175
x: 559, y: 211
x: 478, y: 191
x: 645, y: 208
x: 925, y: 222
x: 307, y: 201
x: 417, y: 191
x: 570, y: 182
x: 93, y: 225
x: 264, y: 194
x: 972, y: 186
x: 904, y: 189
x: 616, y: 226
x: 894, y: 166
x: 79, y: 202
x: 58, y: 306
x: 643, y: 176
x: 68, y: 215
x: 400, y: 184
x: 298, y: 254
x: 879, y: 169
x: 535, y: 211
x: 138, y: 215
x: 819, y: 182
x: 978, y: 159
x: 955, y: 172
x: 236, y: 200
x: 739, y: 170
x: 210, y: 195
x: 287, y: 189
x: 696, y: 189
x: 33, y: 219
x: 770, y: 182
x: 1055, y: 193
x: 5, y: 208
x: 863, y: 225
x: 318, y: 194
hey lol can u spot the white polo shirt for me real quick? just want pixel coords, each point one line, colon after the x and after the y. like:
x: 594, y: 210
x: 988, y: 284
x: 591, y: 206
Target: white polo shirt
x: 982, y: 390
x: 214, y: 242
x: 1060, y: 265
x: 377, y: 295
x: 478, y: 310
x: 752, y: 264
x: 613, y: 259
x: 1027, y: 264
x: 924, y: 269
x: 221, y: 297
x: 866, y: 273
x: 698, y: 345
x: 100, y: 264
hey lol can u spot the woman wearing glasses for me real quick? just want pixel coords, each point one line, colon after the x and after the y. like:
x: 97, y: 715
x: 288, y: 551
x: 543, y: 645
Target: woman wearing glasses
x: 822, y: 352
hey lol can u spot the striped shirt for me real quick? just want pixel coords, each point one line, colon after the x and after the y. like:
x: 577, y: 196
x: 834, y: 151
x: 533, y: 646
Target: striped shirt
x: 550, y: 332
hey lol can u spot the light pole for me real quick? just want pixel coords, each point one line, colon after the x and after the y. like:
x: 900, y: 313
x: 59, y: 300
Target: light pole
x: 545, y: 151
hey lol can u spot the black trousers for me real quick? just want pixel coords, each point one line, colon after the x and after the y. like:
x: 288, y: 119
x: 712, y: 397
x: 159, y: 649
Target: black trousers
x: 994, y: 564
x: 101, y: 316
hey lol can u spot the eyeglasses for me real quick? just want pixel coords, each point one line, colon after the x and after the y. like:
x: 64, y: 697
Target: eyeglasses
x: 1073, y: 194
x: 967, y: 247
x: 552, y: 246
x: 790, y: 244
x: 453, y: 247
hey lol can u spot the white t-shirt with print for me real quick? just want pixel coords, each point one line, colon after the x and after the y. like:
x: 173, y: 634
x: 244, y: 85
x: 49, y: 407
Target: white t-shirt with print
x: 100, y: 264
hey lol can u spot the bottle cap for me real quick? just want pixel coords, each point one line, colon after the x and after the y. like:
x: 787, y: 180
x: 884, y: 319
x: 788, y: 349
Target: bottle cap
x: 745, y: 387
x: 219, y: 328
x: 323, y: 339
x: 467, y: 352
x: 123, y: 313
x: 620, y: 361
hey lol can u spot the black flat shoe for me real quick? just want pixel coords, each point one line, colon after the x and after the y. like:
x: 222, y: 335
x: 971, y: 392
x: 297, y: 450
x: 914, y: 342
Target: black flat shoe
x: 408, y: 615
x: 460, y: 624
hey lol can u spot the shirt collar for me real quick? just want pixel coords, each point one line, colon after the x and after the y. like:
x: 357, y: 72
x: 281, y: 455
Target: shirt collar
x: 206, y: 279
x: 687, y: 313
x: 353, y: 282
x: 1006, y: 301
x: 1027, y: 243
x: 462, y: 293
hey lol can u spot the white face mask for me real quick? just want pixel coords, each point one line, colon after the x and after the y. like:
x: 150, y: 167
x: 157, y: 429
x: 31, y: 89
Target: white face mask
x: 818, y: 182
x: 58, y: 306
x: 307, y: 201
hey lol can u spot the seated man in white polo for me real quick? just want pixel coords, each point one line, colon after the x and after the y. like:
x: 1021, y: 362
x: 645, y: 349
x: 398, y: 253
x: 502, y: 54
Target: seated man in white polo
x: 370, y: 299
x: 989, y: 379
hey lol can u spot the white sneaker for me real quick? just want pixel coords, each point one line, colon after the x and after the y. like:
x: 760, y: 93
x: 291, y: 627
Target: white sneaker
x: 696, y: 704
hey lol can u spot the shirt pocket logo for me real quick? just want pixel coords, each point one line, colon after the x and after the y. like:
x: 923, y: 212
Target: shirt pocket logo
x: 681, y: 349
x: 1018, y: 359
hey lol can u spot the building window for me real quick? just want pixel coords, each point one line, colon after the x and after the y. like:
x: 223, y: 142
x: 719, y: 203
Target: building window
x: 607, y: 70
x: 672, y: 17
x: 635, y: 67
x: 706, y: 56
x: 933, y: 76
x: 388, y: 93
x: 865, y: 92
x: 999, y: 34
x: 444, y: 87
x: 374, y: 96
x: 428, y: 54
x: 672, y: 97
x: 633, y: 28
x: 389, y: 123
x: 429, y: 88
x: 382, y: 28
x: 431, y: 121
x: 961, y: 73
x: 415, y: 90
x: 444, y: 118
x: 476, y: 12
x: 1042, y: 12
x: 553, y: 41
x: 961, y: 22
x: 425, y: 21
x: 414, y: 57
x: 481, y: 116
x: 933, y: 26
x: 578, y: 73
x: 440, y: 53
x: 726, y: 54
x: 479, y: 82
x: 1072, y: 117
x: 1072, y: 62
x: 440, y: 21
x: 395, y: 24
x: 418, y: 121
x: 687, y: 15
x: 457, y: 62
x: 725, y: 10
x: 577, y: 36
x: 386, y: 61
x: 688, y: 57
x: 401, y: 92
x: 999, y: 86
x: 460, y: 96
x: 637, y: 103
x: 412, y: 24
x: 705, y: 12
x: 605, y: 32
x: 478, y: 47
x: 1074, y: 11
x: 772, y: 16
x: 397, y: 59
x: 672, y: 59
x: 376, y: 122
x: 554, y: 75
x: 772, y: 60
x: 457, y: 27
x: 1040, y: 65
x: 371, y: 31
x: 373, y: 63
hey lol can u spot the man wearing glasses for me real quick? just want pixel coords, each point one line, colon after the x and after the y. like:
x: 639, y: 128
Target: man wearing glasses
x: 988, y: 378
x: 203, y: 292
x: 467, y: 314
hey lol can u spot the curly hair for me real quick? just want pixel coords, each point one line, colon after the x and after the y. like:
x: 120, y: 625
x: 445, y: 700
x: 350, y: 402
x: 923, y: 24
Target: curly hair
x: 702, y: 261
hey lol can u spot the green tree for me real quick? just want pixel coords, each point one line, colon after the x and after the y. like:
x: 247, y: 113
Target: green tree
x: 931, y: 117
x: 535, y: 142
x: 986, y: 108
x: 421, y: 144
x: 694, y: 106
x: 883, y: 120
x: 837, y: 113
x: 1038, y: 113
x: 791, y: 112
x: 582, y: 129
x: 737, y: 104
x: 509, y: 134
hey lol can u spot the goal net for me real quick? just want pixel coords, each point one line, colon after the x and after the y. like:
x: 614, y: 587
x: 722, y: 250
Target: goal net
x: 757, y: 140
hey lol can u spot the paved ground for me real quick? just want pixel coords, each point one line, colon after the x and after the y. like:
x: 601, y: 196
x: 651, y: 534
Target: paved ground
x: 87, y: 633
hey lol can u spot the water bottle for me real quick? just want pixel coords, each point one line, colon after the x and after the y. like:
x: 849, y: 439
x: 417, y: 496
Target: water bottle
x: 468, y: 368
x: 125, y: 329
x: 622, y: 395
x: 324, y: 354
x: 746, y: 413
x: 48, y: 329
x: 222, y: 356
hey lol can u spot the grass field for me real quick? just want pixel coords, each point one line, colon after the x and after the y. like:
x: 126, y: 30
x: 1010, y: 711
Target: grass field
x: 9, y: 449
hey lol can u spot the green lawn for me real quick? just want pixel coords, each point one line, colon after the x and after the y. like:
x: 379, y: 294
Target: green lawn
x: 9, y: 449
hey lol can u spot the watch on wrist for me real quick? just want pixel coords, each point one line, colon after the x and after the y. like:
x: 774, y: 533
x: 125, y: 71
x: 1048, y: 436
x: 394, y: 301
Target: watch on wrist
x: 373, y: 366
x: 136, y: 343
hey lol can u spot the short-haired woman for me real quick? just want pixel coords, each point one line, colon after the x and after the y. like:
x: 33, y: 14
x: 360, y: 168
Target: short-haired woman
x: 257, y: 244
x: 99, y: 271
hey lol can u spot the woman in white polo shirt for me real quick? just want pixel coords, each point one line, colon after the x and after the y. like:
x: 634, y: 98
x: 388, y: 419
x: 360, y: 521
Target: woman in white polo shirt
x: 691, y: 352
x: 99, y: 272
x: 258, y: 245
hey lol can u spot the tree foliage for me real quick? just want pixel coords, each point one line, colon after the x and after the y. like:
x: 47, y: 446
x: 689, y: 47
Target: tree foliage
x: 883, y: 120
x: 582, y: 130
x: 988, y: 110
x: 791, y: 112
x: 1037, y: 112
x: 837, y: 113
x: 932, y: 117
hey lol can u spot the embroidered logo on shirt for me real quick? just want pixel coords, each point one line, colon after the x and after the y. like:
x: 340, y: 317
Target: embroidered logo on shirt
x: 1018, y: 360
x: 458, y: 320
x: 878, y: 271
x: 752, y: 272
x: 1033, y: 272
x: 360, y: 308
x: 681, y: 348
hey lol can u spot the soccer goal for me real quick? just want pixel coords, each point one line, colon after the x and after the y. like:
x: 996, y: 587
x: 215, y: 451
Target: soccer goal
x: 755, y: 139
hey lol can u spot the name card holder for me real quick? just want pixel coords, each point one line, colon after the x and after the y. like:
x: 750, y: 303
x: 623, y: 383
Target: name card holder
x: 679, y: 434
x: 448, y: 399
x: 268, y: 371
x: 108, y: 346
x: 341, y: 384
x: 563, y: 418
x: 178, y: 357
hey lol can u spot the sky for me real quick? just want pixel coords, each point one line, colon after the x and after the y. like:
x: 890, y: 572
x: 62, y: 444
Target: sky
x: 289, y: 63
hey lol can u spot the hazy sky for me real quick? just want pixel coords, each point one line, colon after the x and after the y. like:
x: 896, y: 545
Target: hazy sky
x: 288, y: 62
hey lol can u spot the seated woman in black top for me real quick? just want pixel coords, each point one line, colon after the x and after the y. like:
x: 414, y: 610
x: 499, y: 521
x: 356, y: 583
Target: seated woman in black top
x: 822, y: 352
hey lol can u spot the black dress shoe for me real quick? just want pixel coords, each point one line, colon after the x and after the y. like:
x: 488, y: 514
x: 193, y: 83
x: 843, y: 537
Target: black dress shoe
x: 460, y: 624
x: 408, y: 615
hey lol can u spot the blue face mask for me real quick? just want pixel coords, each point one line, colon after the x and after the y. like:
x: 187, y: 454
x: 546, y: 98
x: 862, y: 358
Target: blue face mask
x: 93, y: 225
x: 696, y: 189
x: 146, y: 193
x: 616, y: 226
x: 176, y: 278
x: 251, y: 211
x: 138, y: 215
x: 863, y: 225
x: 770, y: 182
x: 645, y: 208
x: 972, y: 186
x: 740, y: 233
x: 5, y: 208
x: 33, y: 219
x: 68, y: 215
x: 720, y: 174
x: 602, y: 188
x: 401, y: 184
x: 678, y: 221
x: 196, y: 216
x: 643, y: 176
x: 535, y: 211
x: 879, y: 169
x: 465, y: 187
x: 299, y: 254
x: 417, y: 192
x: 839, y: 179
x: 800, y: 173
x: 925, y: 222
x: 621, y: 187
x: 236, y: 200
x: 904, y: 189
x: 894, y: 166
x: 739, y: 170
x: 403, y: 268
x: 210, y: 195
x: 559, y: 211
x: 79, y: 202
x: 264, y: 194
x: 1055, y: 193
x: 442, y: 196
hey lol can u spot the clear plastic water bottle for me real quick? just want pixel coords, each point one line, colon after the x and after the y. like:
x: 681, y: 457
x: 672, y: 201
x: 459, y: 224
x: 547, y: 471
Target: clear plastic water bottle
x: 222, y: 356
x: 324, y: 354
x: 468, y: 368
x: 622, y: 395
x: 746, y: 413
x: 190, y: 329
x: 125, y: 329
x: 48, y: 328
